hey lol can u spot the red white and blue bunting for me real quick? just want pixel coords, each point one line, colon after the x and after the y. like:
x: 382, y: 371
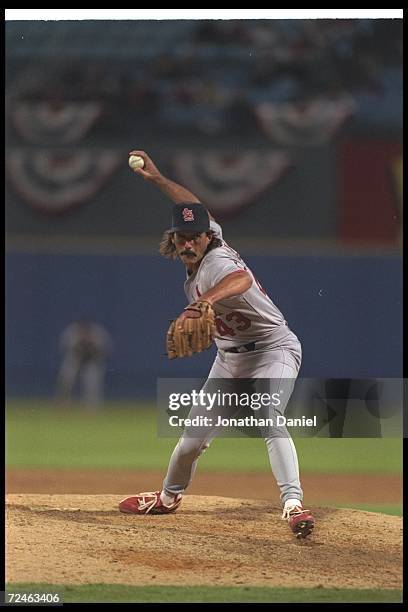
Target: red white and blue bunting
x: 228, y: 181
x: 304, y: 124
x: 54, y: 180
x: 54, y: 122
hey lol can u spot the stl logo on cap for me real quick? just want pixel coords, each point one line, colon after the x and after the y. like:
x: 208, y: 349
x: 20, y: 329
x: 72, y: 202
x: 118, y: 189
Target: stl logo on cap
x: 188, y: 214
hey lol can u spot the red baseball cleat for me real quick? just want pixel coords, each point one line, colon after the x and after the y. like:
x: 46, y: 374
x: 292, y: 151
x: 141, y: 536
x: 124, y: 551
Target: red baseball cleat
x: 300, y: 521
x: 148, y: 503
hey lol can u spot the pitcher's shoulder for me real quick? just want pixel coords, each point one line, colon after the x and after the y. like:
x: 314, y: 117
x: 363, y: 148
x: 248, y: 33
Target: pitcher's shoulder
x: 224, y: 255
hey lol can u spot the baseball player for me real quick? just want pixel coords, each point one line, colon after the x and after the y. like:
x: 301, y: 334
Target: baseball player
x: 85, y: 346
x: 253, y: 341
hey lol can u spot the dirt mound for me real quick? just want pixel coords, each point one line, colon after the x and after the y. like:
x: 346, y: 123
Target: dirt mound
x: 354, y: 488
x: 74, y: 539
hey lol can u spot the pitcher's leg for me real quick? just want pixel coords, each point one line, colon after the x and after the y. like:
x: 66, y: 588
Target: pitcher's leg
x: 283, y: 459
x: 285, y: 467
x: 183, y: 464
x: 195, y: 440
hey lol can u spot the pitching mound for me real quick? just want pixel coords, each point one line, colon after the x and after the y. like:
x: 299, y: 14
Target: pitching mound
x: 75, y: 539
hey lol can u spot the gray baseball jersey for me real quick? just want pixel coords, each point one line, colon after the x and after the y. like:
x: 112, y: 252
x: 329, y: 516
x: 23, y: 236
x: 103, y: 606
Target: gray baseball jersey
x: 241, y: 319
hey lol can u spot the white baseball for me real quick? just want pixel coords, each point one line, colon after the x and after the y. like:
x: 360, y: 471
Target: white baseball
x: 135, y: 161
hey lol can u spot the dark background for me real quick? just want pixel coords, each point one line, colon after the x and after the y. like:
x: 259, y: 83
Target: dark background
x: 213, y: 103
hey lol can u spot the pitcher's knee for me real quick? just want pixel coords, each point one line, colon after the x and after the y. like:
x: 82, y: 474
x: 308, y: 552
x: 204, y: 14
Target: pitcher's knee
x: 191, y: 449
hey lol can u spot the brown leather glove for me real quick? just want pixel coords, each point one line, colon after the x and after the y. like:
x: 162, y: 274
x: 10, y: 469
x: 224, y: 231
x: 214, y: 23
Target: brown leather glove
x: 191, y: 334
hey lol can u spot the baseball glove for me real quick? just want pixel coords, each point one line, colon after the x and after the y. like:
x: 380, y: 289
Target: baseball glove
x: 191, y: 335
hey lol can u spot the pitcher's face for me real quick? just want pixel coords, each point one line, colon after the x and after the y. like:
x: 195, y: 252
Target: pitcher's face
x: 191, y: 247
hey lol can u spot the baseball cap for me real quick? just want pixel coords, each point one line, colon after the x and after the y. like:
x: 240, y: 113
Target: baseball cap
x: 189, y: 217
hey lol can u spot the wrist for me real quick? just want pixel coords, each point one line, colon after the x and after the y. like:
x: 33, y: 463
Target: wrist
x: 157, y: 179
x: 210, y: 300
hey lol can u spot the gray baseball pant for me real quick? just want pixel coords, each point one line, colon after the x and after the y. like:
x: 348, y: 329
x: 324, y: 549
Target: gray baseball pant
x: 280, y: 366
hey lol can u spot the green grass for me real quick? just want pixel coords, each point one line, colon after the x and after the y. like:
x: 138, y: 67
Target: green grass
x: 392, y: 509
x: 195, y: 594
x: 124, y: 435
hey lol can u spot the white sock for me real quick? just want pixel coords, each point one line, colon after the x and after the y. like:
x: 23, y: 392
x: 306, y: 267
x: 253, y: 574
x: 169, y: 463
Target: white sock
x: 293, y: 502
x: 166, y: 500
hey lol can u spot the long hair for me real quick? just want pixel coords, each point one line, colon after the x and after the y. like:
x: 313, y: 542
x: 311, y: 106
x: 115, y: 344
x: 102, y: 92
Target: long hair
x: 167, y: 248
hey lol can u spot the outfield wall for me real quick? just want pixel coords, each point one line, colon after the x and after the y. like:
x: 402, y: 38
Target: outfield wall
x: 347, y: 311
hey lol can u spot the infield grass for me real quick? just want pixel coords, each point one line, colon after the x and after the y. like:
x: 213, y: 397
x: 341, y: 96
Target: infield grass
x: 124, y: 435
x: 117, y: 593
x: 391, y: 509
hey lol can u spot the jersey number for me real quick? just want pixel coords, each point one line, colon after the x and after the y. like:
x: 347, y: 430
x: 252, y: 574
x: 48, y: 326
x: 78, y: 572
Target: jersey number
x: 225, y: 330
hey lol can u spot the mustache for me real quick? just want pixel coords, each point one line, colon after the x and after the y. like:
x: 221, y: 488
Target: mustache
x: 188, y: 253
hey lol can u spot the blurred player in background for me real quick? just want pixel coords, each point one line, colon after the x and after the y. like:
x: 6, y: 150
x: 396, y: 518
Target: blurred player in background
x: 85, y: 346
